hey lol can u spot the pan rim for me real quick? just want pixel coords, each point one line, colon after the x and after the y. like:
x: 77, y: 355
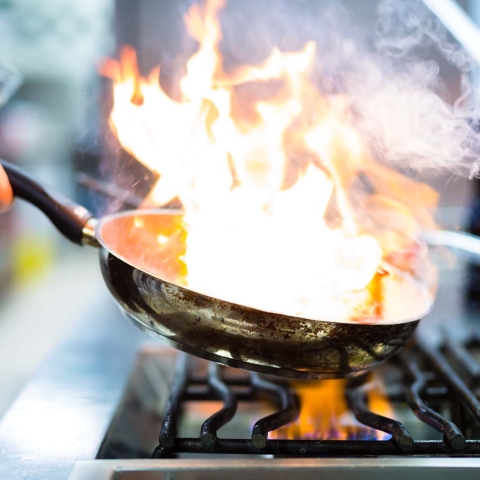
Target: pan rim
x: 428, y: 305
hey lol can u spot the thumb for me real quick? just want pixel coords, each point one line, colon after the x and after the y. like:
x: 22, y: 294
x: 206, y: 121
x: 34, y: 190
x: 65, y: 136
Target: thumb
x: 6, y: 194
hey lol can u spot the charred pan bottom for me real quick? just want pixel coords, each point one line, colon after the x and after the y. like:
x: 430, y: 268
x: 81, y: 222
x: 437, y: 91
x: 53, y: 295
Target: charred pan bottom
x: 247, y: 338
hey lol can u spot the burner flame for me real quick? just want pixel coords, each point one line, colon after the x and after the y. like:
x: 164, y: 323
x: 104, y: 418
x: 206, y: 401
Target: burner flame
x: 324, y: 414
x: 271, y: 175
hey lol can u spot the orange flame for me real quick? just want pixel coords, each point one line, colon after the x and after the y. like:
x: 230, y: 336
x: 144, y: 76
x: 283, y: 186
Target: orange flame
x: 324, y: 414
x: 267, y: 170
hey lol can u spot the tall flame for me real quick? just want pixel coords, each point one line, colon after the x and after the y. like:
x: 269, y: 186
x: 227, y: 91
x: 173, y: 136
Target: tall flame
x: 269, y: 173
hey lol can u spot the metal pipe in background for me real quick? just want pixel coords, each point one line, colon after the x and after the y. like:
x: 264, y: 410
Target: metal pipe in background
x: 458, y: 23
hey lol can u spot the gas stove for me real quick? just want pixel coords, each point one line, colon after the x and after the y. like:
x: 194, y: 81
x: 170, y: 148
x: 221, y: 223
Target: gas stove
x: 109, y: 404
x: 196, y: 419
x: 176, y: 405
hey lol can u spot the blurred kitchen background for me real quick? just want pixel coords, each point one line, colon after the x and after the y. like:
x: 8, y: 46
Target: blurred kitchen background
x: 51, y: 128
x: 44, y: 281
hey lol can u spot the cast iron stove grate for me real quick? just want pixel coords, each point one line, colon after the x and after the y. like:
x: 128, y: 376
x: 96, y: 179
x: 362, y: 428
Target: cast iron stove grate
x: 429, y: 377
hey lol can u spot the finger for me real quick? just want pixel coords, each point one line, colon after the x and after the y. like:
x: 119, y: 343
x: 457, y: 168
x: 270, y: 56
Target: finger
x: 6, y: 194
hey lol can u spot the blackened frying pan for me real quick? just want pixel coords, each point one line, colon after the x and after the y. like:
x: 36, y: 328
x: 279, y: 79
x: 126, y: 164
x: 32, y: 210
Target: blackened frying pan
x: 144, y: 278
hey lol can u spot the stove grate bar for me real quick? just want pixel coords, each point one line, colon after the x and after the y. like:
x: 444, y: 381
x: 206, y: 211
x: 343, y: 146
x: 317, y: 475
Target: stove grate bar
x: 416, y: 383
x: 168, y: 432
x: 451, y: 378
x: 289, y: 410
x: 467, y: 361
x: 355, y: 394
x: 208, y: 432
x: 318, y: 448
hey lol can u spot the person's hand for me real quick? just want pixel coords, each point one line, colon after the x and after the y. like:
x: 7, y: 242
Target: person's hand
x: 6, y: 194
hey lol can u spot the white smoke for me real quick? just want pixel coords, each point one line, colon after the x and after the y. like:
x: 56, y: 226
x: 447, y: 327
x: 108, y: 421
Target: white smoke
x: 405, y: 25
x: 390, y: 73
x: 409, y: 125
x: 396, y: 94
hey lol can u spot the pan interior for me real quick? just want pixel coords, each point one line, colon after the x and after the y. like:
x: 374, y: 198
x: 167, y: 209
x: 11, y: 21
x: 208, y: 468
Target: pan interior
x: 153, y: 241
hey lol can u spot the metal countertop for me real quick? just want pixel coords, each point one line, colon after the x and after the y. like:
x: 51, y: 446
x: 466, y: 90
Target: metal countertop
x: 279, y: 469
x: 62, y: 414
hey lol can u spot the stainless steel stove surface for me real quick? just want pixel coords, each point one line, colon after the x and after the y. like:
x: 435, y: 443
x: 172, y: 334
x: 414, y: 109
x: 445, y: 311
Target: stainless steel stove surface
x: 280, y: 469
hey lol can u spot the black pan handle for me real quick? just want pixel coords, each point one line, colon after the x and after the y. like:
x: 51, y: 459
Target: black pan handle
x: 69, y: 217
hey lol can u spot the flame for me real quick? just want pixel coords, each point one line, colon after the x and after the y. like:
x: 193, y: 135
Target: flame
x: 269, y: 172
x: 324, y: 414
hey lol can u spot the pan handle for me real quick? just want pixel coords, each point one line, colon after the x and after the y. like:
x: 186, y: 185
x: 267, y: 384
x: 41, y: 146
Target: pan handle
x: 70, y: 218
x: 464, y: 241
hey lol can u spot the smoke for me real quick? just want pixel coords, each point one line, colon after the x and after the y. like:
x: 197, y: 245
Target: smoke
x: 394, y: 85
x: 398, y: 101
x: 392, y: 74
x: 409, y: 125
x: 405, y: 25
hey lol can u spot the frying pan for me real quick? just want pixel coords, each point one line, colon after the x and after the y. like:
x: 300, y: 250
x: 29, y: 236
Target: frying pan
x: 144, y: 278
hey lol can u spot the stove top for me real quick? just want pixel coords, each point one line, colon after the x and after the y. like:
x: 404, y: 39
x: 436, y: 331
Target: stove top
x: 197, y: 419
x: 280, y: 469
x: 423, y: 402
